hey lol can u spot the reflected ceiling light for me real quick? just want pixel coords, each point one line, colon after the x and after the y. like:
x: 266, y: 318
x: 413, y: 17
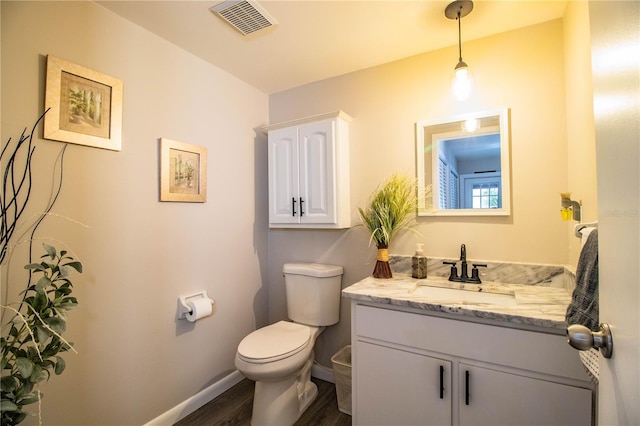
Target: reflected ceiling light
x: 462, y: 83
x: 470, y: 125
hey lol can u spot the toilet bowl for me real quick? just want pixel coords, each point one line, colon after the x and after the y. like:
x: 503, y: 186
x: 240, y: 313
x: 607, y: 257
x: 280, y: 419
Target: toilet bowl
x: 279, y: 357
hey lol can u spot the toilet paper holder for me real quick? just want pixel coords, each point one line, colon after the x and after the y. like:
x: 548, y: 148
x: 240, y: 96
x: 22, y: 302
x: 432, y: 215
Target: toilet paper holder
x: 183, y: 306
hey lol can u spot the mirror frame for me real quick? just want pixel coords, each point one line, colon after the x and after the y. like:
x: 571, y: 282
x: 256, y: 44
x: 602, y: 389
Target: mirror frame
x: 505, y: 164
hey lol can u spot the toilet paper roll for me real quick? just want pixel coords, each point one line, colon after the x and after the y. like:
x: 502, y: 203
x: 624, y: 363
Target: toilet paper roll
x: 200, y: 308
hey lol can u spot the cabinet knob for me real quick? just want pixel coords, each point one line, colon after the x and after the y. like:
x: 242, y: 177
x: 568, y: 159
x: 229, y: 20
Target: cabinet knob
x: 301, y: 209
x: 293, y: 206
x: 581, y: 338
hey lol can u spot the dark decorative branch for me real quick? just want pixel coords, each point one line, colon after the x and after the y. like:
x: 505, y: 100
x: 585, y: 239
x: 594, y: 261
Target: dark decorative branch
x: 16, y: 184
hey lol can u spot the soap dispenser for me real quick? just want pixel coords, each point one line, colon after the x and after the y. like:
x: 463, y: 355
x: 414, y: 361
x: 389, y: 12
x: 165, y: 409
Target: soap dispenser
x: 419, y: 263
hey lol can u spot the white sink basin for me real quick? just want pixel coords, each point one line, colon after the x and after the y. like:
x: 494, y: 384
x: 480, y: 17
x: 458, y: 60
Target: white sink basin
x: 464, y: 296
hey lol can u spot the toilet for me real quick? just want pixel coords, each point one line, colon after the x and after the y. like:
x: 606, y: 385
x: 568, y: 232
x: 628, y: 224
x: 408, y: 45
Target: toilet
x: 279, y: 357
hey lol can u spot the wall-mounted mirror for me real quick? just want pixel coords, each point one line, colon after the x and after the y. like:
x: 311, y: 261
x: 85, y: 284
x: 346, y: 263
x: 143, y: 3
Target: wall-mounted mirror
x: 463, y: 165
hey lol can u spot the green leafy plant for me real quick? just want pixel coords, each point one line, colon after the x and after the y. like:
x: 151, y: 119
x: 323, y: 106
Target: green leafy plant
x: 31, y: 348
x: 391, y: 209
x: 32, y: 340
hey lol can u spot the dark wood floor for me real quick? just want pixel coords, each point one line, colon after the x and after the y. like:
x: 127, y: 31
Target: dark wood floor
x: 233, y: 408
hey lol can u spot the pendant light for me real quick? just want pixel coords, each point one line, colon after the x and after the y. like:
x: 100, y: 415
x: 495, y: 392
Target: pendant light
x: 462, y: 83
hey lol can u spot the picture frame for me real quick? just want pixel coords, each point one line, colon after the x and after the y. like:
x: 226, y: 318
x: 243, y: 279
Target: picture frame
x: 183, y: 172
x: 85, y: 106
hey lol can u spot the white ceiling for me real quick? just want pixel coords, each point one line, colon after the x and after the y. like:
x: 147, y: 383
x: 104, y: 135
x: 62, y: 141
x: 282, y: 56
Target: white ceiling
x: 320, y: 39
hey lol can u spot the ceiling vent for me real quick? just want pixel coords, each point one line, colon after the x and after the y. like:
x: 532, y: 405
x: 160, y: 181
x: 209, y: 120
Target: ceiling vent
x: 246, y: 16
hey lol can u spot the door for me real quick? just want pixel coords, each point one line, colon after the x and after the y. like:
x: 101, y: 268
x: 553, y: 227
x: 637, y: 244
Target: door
x: 283, y: 176
x: 493, y: 397
x: 399, y: 387
x: 615, y: 49
x: 317, y: 172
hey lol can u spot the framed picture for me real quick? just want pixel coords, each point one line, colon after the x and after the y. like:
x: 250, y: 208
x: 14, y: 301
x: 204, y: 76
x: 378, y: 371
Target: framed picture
x: 86, y: 106
x: 183, y: 172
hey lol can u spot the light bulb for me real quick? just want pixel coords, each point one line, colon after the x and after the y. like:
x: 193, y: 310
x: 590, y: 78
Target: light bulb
x: 462, y: 84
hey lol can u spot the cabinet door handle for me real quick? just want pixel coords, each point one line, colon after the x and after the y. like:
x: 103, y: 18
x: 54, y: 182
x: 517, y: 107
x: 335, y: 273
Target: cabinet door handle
x: 466, y: 387
x: 301, y: 209
x: 441, y: 382
x: 293, y: 206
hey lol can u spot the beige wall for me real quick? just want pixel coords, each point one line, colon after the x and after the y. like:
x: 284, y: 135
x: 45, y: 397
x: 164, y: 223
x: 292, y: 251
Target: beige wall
x: 135, y: 359
x: 523, y: 70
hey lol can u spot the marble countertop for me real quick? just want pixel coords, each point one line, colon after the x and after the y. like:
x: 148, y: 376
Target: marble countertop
x: 536, y: 305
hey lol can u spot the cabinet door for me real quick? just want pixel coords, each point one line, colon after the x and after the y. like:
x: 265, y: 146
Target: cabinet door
x: 398, y: 387
x: 492, y: 397
x: 317, y: 171
x: 284, y: 203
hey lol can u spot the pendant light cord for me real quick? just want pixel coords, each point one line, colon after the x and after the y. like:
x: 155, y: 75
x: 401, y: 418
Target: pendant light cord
x: 459, y: 37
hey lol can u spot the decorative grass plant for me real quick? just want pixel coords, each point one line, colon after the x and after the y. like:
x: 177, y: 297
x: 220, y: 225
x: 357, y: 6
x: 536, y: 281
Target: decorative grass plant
x: 391, y: 209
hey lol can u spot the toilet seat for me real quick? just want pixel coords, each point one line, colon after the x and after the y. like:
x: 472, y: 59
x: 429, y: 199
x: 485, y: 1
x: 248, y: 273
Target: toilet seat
x: 274, y: 342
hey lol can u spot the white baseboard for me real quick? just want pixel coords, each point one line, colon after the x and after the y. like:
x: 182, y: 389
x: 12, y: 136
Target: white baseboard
x: 190, y: 405
x: 323, y: 373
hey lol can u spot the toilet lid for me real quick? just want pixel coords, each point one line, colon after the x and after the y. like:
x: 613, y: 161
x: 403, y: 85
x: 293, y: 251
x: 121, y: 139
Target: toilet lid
x: 273, y: 342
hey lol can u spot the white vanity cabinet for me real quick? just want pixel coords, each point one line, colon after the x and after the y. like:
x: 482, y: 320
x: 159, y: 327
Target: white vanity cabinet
x: 415, y: 369
x: 396, y: 386
x: 519, y: 398
x: 309, y: 185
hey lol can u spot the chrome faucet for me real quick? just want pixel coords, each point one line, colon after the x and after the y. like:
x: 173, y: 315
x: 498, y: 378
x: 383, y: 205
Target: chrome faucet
x: 464, y: 274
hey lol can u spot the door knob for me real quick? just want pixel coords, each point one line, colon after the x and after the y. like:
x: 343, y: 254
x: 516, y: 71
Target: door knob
x: 581, y: 338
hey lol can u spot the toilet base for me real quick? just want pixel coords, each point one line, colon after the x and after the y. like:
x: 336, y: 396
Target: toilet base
x: 277, y: 403
x: 282, y: 403
x: 310, y: 394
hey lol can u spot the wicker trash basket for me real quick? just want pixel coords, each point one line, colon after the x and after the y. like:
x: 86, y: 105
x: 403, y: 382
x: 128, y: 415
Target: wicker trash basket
x: 341, y: 362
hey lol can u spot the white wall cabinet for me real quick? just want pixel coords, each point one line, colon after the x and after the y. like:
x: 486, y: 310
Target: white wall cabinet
x: 309, y: 185
x: 415, y: 369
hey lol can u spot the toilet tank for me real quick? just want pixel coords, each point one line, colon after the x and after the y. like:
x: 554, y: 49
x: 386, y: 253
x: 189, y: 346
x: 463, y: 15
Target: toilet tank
x: 313, y: 293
